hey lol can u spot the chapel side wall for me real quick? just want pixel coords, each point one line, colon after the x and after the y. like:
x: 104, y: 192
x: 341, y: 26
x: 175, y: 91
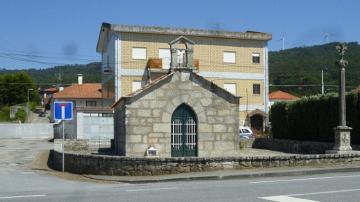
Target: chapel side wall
x: 149, y: 119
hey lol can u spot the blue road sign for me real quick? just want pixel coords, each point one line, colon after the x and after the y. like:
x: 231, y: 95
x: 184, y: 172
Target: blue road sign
x: 63, y: 110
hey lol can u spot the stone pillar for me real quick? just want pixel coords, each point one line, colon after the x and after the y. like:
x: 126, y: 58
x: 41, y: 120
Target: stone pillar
x: 173, y: 57
x: 342, y: 132
x: 342, y: 98
x: 342, y: 139
x: 189, y: 56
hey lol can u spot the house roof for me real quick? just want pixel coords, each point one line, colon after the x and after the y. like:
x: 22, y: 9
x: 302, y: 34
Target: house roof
x: 106, y: 28
x: 166, y: 78
x: 357, y: 89
x: 81, y: 91
x: 51, y: 90
x: 281, y: 95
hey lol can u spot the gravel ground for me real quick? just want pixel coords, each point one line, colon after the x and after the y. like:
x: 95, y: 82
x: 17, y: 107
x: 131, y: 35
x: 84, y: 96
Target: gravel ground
x: 18, y: 154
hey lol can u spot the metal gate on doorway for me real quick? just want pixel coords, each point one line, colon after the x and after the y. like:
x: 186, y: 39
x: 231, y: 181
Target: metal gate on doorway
x: 183, y: 132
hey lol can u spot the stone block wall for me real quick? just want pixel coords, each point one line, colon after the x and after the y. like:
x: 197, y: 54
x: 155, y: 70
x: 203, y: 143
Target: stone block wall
x: 120, y: 165
x: 148, y: 118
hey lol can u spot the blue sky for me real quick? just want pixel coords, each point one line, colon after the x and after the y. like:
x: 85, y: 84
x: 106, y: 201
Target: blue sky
x: 44, y: 33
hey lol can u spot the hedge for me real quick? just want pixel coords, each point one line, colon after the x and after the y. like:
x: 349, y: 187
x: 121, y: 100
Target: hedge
x: 314, y: 118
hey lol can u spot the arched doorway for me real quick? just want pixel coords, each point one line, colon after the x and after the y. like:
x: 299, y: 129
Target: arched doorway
x: 256, y: 120
x: 183, y: 132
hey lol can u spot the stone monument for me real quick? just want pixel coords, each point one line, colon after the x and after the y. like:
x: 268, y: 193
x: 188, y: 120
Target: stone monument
x: 342, y: 131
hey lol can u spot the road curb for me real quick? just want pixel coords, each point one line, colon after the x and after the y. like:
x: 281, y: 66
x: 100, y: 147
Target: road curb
x: 310, y: 171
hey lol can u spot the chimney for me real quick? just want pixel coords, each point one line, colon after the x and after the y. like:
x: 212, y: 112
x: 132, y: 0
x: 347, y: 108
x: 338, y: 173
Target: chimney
x: 80, y: 79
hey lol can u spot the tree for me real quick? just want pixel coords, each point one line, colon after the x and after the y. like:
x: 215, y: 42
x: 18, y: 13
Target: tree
x: 14, y: 89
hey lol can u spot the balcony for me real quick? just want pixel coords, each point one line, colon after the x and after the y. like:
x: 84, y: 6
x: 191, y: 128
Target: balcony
x: 156, y: 64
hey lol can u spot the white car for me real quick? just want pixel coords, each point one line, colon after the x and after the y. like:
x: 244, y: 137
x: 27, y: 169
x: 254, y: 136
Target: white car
x: 246, y: 133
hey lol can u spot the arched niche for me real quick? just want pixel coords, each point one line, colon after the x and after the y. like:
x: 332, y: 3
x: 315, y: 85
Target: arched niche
x: 187, y: 56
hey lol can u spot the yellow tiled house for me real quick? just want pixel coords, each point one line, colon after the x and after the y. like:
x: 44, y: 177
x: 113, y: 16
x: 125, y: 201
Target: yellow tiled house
x: 132, y: 56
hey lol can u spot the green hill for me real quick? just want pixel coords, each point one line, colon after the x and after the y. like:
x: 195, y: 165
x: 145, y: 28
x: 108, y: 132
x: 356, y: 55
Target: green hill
x: 297, y: 67
x: 66, y: 74
x: 302, y: 66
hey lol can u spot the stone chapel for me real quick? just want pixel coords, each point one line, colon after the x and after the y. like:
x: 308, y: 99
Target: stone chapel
x: 179, y: 114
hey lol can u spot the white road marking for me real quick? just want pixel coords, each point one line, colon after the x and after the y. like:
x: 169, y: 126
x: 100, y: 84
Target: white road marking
x: 325, y: 192
x: 291, y: 197
x: 286, y: 199
x: 27, y: 173
x: 304, y: 179
x: 150, y: 189
x: 22, y: 196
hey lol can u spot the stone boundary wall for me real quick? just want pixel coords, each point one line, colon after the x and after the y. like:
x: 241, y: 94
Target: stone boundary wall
x: 293, y: 146
x: 85, y: 145
x: 120, y: 165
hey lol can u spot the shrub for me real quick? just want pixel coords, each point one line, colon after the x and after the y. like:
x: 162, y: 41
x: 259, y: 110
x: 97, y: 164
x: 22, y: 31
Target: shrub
x: 20, y: 115
x: 5, y: 114
x: 313, y: 118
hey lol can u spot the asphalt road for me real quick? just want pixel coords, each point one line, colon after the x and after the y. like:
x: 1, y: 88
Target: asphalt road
x: 39, y: 186
x: 19, y: 183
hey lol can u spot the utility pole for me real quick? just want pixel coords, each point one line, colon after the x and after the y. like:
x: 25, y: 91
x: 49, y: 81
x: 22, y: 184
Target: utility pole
x: 326, y: 37
x: 247, y: 108
x: 322, y: 81
x: 27, y: 104
x: 283, y: 42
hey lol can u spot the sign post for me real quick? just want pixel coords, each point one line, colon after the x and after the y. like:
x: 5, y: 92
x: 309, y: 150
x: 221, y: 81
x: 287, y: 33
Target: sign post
x: 63, y: 111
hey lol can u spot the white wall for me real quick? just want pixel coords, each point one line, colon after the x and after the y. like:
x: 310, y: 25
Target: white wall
x: 27, y: 130
x: 90, y: 127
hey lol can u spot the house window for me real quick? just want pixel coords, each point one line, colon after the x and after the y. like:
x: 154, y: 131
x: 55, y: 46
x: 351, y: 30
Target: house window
x: 165, y: 55
x: 139, y: 53
x: 91, y: 103
x: 229, y: 56
x: 136, y: 85
x: 107, y: 68
x: 256, y: 58
x: 231, y: 87
x: 256, y: 89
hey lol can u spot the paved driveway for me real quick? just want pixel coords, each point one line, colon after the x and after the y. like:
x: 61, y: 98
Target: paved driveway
x: 18, y: 154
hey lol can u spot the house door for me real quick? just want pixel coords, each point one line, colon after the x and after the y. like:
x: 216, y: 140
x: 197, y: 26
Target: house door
x: 183, y: 132
x: 256, y: 123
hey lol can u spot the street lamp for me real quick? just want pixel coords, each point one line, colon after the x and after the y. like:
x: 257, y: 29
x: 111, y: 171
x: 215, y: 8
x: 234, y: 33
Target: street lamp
x: 27, y: 104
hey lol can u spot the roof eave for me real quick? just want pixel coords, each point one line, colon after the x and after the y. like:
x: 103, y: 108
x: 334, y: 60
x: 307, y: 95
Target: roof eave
x: 249, y: 35
x: 103, y: 35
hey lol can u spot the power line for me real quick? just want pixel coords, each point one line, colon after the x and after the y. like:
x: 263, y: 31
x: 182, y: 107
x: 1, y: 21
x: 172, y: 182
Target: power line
x: 45, y: 56
x: 30, y: 58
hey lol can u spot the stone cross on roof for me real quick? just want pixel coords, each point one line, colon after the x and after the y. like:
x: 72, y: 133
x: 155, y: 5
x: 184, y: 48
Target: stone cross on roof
x: 341, y: 49
x: 185, y: 56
